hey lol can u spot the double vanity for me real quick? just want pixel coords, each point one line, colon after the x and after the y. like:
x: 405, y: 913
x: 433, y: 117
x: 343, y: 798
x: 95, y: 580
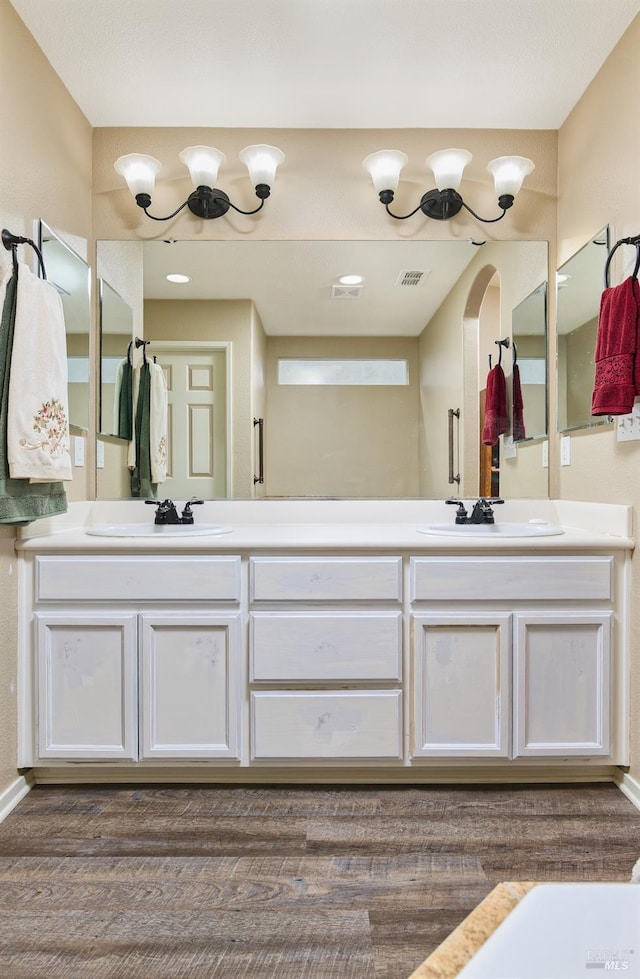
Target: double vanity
x: 325, y: 640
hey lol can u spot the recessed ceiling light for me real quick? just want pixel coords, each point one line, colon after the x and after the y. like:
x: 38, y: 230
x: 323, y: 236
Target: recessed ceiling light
x: 350, y: 280
x: 176, y: 277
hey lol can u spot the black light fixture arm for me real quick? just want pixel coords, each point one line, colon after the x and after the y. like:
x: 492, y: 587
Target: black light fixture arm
x: 444, y: 204
x: 205, y: 202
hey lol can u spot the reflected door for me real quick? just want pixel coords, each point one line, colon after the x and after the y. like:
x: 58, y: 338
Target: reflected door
x: 197, y: 424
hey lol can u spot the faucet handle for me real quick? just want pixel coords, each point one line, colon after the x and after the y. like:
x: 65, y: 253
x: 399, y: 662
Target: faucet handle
x: 187, y: 515
x: 461, y: 513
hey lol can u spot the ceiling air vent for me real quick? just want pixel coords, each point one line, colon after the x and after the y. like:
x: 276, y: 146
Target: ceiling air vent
x: 345, y: 292
x: 412, y: 277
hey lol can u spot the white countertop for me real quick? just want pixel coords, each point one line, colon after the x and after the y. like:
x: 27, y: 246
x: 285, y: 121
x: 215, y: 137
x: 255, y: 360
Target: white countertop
x: 334, y: 525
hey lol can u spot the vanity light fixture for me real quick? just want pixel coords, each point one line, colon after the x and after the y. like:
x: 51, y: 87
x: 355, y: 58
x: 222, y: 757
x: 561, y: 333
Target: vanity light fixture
x: 206, y: 201
x: 445, y: 202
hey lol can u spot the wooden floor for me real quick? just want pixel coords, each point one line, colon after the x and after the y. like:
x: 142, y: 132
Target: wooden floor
x: 280, y: 882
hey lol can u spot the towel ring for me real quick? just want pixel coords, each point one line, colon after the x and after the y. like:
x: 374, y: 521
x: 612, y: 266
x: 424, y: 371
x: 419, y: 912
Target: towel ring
x: 634, y: 240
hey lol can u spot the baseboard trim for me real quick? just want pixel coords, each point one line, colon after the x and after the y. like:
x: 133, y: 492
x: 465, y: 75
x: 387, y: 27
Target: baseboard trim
x: 630, y: 786
x: 14, y: 793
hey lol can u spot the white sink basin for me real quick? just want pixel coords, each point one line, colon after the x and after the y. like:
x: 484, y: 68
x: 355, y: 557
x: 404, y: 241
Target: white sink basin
x: 489, y: 530
x: 158, y: 530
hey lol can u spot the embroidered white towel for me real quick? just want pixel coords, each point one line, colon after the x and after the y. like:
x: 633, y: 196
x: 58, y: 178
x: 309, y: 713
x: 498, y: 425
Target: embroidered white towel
x: 158, y: 423
x: 38, y: 408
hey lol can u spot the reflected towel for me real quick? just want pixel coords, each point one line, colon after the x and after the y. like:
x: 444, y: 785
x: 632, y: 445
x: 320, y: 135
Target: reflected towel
x: 517, y: 424
x: 617, y: 366
x: 158, y: 423
x: 123, y: 401
x: 38, y: 408
x: 141, y: 480
x: 496, y: 418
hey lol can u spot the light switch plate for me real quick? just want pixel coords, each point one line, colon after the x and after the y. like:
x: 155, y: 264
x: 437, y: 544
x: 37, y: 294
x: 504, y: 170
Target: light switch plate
x: 545, y: 454
x: 99, y: 455
x: 78, y: 450
x: 565, y: 450
x: 510, y: 448
x: 628, y: 426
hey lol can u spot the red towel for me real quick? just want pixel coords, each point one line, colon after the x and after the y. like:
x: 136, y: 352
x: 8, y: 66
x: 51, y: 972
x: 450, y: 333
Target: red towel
x: 496, y: 419
x: 517, y: 422
x: 617, y: 374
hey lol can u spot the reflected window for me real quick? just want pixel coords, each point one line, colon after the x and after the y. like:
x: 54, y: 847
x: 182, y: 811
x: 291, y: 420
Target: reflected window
x: 352, y: 371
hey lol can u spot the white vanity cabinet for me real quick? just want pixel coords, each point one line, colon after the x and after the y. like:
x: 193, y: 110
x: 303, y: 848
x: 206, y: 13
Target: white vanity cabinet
x: 148, y: 679
x: 510, y: 658
x: 325, y: 658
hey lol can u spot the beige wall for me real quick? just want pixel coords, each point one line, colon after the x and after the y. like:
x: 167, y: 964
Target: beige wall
x: 598, y: 154
x: 45, y: 172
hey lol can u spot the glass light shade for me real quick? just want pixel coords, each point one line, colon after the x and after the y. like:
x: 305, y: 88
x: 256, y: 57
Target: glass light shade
x: 384, y: 168
x: 203, y: 163
x: 139, y: 171
x: 262, y: 162
x: 448, y: 166
x: 509, y: 172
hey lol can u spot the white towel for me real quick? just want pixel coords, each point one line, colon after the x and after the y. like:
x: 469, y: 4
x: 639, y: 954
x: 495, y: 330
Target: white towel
x: 158, y: 423
x: 38, y: 408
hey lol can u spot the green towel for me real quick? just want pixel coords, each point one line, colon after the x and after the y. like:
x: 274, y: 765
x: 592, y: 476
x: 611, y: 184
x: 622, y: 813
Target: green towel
x: 21, y: 502
x: 125, y: 402
x: 141, y: 484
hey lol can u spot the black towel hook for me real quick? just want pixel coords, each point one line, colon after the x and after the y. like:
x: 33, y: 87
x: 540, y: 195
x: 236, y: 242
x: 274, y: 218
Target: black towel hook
x: 11, y: 242
x: 515, y: 352
x: 501, y: 343
x: 143, y: 344
x: 633, y: 240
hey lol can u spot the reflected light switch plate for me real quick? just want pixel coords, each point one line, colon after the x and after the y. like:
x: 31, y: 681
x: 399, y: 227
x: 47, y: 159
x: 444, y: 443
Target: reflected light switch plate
x: 78, y: 450
x: 545, y: 454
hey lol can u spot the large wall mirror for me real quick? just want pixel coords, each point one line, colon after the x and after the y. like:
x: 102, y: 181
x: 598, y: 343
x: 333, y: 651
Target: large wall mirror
x: 580, y: 282
x: 71, y: 276
x: 352, y: 381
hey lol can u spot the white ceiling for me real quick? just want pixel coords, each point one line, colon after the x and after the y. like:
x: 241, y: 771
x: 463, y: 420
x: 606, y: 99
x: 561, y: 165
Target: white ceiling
x: 514, y: 64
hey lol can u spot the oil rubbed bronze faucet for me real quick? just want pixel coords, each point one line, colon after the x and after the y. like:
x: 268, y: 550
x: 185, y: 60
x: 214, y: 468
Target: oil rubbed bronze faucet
x: 482, y: 510
x: 167, y: 513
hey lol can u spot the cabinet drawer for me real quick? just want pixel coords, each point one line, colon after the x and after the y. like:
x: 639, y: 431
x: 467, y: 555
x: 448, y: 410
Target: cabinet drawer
x: 336, y: 724
x: 137, y: 578
x: 325, y: 579
x: 326, y: 646
x: 478, y: 578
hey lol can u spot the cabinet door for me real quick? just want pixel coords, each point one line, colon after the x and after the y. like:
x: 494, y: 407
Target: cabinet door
x: 87, y: 685
x: 190, y: 690
x: 461, y: 685
x: 562, y: 683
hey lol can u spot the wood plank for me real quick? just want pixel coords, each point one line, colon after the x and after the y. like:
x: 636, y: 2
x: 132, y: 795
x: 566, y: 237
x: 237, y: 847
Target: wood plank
x: 230, y: 883
x: 229, y: 945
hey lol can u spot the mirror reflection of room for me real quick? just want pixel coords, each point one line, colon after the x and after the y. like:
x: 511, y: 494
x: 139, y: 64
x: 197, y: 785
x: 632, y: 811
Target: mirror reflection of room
x: 266, y: 305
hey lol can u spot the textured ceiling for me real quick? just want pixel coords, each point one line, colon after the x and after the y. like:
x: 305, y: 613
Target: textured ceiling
x: 516, y: 64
